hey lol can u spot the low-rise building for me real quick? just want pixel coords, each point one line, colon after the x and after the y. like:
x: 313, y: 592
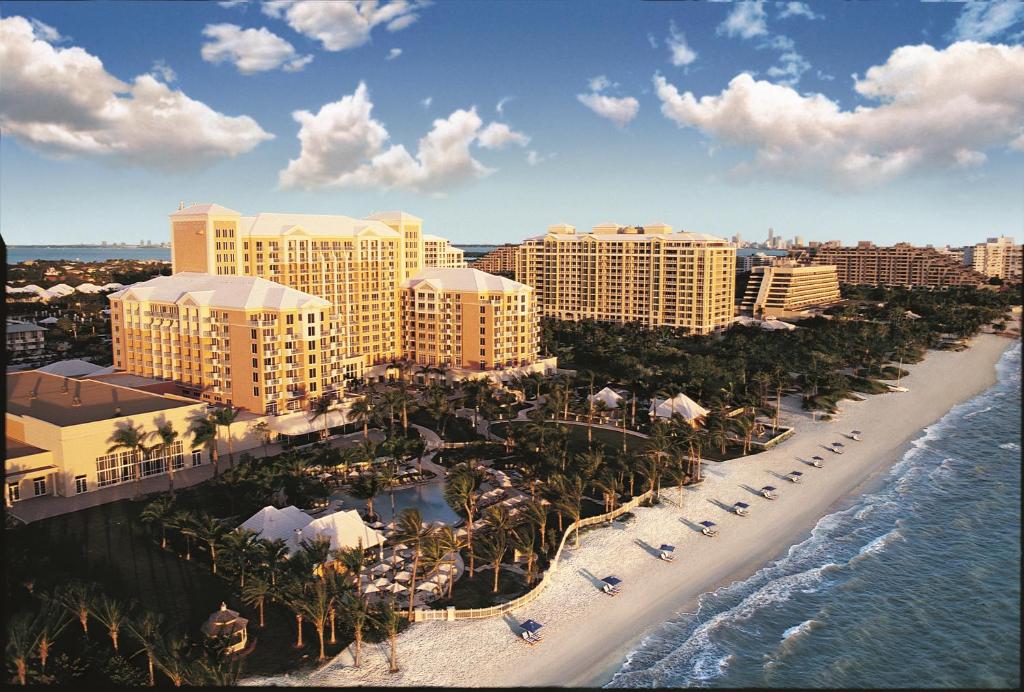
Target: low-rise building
x: 439, y: 253
x: 787, y: 291
x: 898, y: 265
x: 25, y: 341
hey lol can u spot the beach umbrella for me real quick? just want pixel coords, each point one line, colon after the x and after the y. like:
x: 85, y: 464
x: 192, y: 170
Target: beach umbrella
x: 708, y: 524
x: 667, y: 548
x: 427, y: 586
x: 404, y: 576
x: 612, y: 581
x: 446, y: 567
x: 395, y: 588
x: 531, y: 626
x: 394, y: 560
x: 381, y: 582
x: 377, y: 525
x: 400, y: 546
x: 370, y: 588
x: 380, y: 568
x: 405, y: 553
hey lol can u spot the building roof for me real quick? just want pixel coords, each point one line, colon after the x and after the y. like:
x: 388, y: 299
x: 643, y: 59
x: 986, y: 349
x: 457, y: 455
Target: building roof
x: 212, y: 209
x: 609, y: 396
x: 274, y: 224
x: 97, y: 400
x: 17, y: 449
x: 464, y: 280
x: 393, y: 216
x: 633, y: 237
x: 680, y: 404
x: 126, y: 379
x: 344, y: 529
x: 18, y: 327
x: 238, y: 292
x: 271, y: 523
x: 74, y: 367
x: 434, y: 238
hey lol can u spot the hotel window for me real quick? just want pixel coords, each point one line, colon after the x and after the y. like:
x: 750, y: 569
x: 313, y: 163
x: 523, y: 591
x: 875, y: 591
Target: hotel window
x: 81, y: 485
x: 39, y: 486
x: 13, y: 492
x: 197, y: 457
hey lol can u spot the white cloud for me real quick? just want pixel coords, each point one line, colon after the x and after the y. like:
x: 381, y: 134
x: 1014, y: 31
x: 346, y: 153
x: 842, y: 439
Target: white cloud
x: 534, y: 158
x: 619, y: 110
x: 746, y: 20
x: 228, y: 4
x: 499, y: 135
x: 343, y: 25
x: 936, y: 108
x: 600, y: 83
x: 393, y: 53
x: 679, y: 51
x: 798, y: 9
x: 790, y: 69
x: 981, y: 21
x: 343, y: 146
x: 251, y: 50
x: 163, y: 71
x: 46, y: 32
x: 427, y: 101
x: 500, y: 107
x: 63, y: 102
x: 652, y: 40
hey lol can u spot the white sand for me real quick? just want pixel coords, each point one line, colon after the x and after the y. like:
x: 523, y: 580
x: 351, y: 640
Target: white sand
x: 587, y: 635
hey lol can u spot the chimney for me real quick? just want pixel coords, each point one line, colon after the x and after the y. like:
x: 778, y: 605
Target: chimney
x: 181, y: 205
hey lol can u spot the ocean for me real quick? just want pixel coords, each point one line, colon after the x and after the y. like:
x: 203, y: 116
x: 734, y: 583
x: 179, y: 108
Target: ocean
x: 86, y: 254
x: 917, y: 584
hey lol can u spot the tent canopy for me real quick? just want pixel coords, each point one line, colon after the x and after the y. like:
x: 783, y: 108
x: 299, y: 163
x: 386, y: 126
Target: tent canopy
x: 609, y: 396
x: 344, y: 529
x: 272, y: 523
x: 679, y: 404
x: 302, y: 423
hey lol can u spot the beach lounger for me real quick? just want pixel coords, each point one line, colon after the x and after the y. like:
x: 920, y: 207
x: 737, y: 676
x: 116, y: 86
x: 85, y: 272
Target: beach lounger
x: 741, y: 509
x: 768, y: 492
x: 709, y: 528
x: 666, y: 552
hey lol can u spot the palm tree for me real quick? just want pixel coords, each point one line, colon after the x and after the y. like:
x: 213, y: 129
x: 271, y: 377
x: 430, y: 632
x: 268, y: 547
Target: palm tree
x: 113, y: 614
x: 241, y: 549
x: 273, y: 554
x: 159, y: 511
x: 389, y: 619
x: 353, y: 559
x: 491, y: 549
x: 367, y: 487
x: 389, y: 479
x: 356, y: 611
x: 204, y: 434
x: 224, y: 417
x: 22, y: 643
x: 361, y: 411
x: 185, y: 522
x: 572, y: 501
x: 524, y: 538
x: 537, y: 514
x: 132, y: 440
x: 316, y: 603
x: 52, y: 619
x: 744, y: 426
x: 718, y: 428
x: 211, y: 531
x: 460, y: 492
x: 255, y: 593
x: 261, y: 429
x: 146, y: 630
x: 320, y: 409
x: 451, y: 543
x: 168, y: 436
x: 393, y: 399
x: 79, y: 600
x: 172, y: 660
x: 411, y: 529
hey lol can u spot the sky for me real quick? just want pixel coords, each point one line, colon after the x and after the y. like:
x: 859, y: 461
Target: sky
x: 881, y: 121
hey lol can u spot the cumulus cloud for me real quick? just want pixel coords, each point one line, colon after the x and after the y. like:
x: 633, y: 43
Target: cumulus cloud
x: 339, y: 26
x: 342, y: 145
x: 746, y: 20
x: 393, y: 53
x: 935, y: 108
x: 63, y: 102
x: 534, y: 158
x: 680, y: 53
x: 46, y: 32
x: 790, y: 69
x: 798, y: 9
x: 251, y: 50
x: 981, y: 21
x: 163, y: 71
x: 620, y: 110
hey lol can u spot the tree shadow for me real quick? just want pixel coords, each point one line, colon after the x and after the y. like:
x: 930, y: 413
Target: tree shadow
x: 648, y: 547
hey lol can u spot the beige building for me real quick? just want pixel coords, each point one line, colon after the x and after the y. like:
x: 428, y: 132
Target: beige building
x: 59, y: 431
x: 438, y: 252
x: 998, y: 257
x: 24, y: 340
x: 467, y: 320
x: 785, y: 291
x: 898, y: 265
x: 502, y: 259
x: 647, y: 275
x: 230, y: 339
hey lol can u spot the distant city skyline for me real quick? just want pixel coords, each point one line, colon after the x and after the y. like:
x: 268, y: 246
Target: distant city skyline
x: 712, y: 117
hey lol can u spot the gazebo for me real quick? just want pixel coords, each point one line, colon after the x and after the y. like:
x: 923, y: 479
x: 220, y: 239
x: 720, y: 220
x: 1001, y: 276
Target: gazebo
x: 680, y: 404
x: 229, y: 624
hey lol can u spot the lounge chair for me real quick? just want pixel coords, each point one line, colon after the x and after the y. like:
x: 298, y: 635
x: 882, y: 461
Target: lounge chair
x: 741, y: 509
x: 768, y: 492
x: 610, y: 590
x: 666, y: 557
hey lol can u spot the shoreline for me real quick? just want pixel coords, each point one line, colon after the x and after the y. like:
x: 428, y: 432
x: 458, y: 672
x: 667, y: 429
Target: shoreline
x: 588, y: 636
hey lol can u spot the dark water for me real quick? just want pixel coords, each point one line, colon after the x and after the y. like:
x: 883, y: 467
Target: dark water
x: 86, y: 254
x: 916, y: 585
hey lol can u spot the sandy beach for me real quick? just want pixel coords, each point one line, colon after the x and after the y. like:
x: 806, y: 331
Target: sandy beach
x: 587, y: 635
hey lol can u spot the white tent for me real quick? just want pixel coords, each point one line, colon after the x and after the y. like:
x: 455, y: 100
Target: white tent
x: 301, y: 422
x: 774, y: 325
x: 609, y: 396
x: 272, y: 523
x: 679, y: 404
x: 344, y: 529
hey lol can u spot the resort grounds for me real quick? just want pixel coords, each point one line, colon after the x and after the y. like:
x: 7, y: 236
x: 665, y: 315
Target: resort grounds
x: 587, y: 635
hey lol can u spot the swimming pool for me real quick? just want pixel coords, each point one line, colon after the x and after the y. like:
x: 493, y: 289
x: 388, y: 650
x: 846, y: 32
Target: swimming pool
x: 428, y: 498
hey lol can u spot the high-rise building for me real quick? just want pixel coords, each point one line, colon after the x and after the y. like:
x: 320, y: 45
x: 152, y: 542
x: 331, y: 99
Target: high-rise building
x: 798, y: 241
x: 998, y: 257
x: 502, y: 259
x: 237, y: 340
x: 899, y: 265
x: 648, y: 275
x: 467, y: 320
x: 781, y: 291
x: 438, y: 252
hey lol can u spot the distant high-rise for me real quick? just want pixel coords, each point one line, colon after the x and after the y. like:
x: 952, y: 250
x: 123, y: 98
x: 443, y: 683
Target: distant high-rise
x: 998, y: 257
x: 798, y: 241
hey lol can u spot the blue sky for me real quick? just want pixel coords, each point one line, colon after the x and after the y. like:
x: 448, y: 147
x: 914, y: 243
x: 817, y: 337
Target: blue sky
x: 880, y: 121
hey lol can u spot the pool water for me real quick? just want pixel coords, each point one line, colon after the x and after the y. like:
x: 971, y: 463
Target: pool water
x: 428, y: 498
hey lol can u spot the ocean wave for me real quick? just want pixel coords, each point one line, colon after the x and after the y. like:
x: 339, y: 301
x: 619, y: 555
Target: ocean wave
x: 972, y: 414
x: 879, y: 544
x: 797, y: 631
x: 1010, y: 445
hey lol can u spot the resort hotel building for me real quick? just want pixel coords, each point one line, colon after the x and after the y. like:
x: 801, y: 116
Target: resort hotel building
x: 999, y: 257
x: 899, y: 265
x: 788, y: 291
x: 644, y: 274
x: 502, y: 259
x: 438, y: 252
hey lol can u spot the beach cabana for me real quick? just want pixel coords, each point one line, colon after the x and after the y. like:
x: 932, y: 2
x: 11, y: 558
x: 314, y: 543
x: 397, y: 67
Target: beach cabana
x: 741, y: 508
x: 680, y: 404
x: 768, y: 492
x: 531, y: 630
x: 227, y: 623
x: 794, y: 476
x: 611, y: 585
x: 666, y: 552
x: 710, y: 528
x: 608, y: 396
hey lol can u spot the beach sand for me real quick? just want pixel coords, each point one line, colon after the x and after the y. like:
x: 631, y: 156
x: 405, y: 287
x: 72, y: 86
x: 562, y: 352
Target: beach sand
x: 587, y: 635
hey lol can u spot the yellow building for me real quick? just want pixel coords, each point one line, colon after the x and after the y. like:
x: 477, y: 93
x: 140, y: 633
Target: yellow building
x: 783, y: 291
x: 899, y: 265
x: 438, y: 252
x: 647, y: 275
x: 229, y: 339
x: 502, y: 259
x: 998, y: 257
x: 464, y: 320
x: 59, y: 430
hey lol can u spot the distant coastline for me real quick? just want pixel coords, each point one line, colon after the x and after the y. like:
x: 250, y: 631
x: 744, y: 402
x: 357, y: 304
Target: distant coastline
x: 86, y: 253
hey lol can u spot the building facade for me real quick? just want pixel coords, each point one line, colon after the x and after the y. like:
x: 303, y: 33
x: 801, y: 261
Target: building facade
x: 467, y: 320
x: 229, y: 339
x: 502, y: 259
x: 25, y: 341
x: 898, y: 265
x: 783, y: 291
x: 648, y: 275
x: 998, y: 257
x: 438, y: 252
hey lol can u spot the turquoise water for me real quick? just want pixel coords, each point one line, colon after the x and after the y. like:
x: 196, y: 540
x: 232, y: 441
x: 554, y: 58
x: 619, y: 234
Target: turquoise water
x: 429, y: 498
x: 915, y: 585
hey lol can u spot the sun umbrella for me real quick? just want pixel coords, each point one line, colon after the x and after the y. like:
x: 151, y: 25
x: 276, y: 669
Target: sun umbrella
x: 380, y: 568
x: 612, y: 580
x: 400, y: 546
x: 395, y: 588
x: 447, y: 567
x: 427, y: 586
x: 404, y: 576
x: 370, y: 588
x: 382, y: 582
x: 394, y: 560
x: 405, y: 553
x: 377, y: 525
x: 667, y: 548
x: 531, y: 626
